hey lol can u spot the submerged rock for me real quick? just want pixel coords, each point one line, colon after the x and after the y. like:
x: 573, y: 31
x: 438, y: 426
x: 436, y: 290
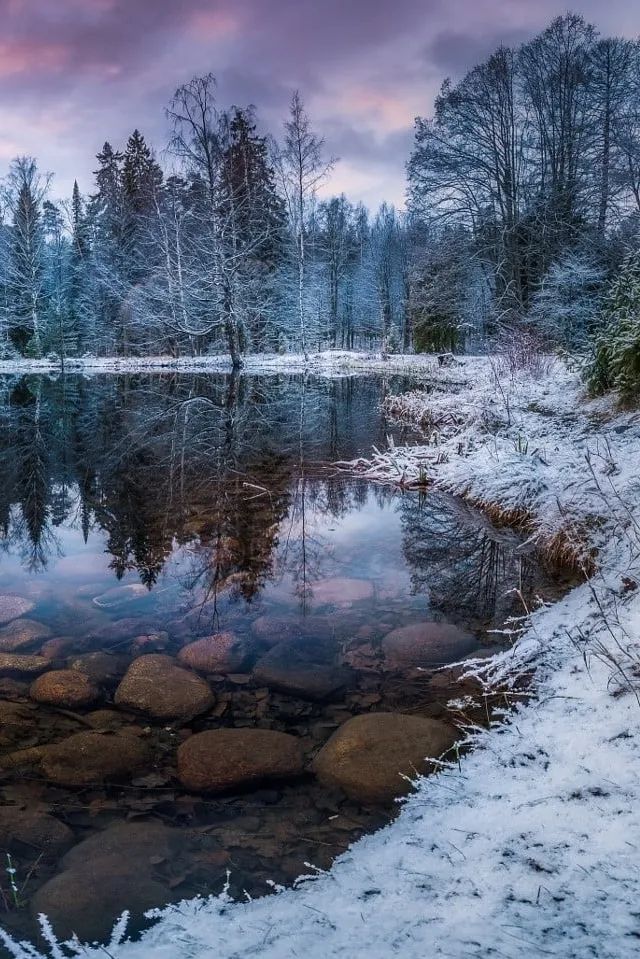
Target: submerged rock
x: 92, y: 757
x: 21, y: 634
x: 103, y: 669
x: 273, y: 630
x: 301, y: 671
x: 223, y: 759
x: 220, y: 653
x: 106, y: 719
x: 122, y: 629
x: 23, y: 665
x: 37, y: 832
x: 155, y: 685
x: 427, y: 644
x: 13, y: 606
x: 369, y: 756
x: 87, y: 899
x: 135, y: 842
x: 64, y: 687
x: 155, y: 642
x: 121, y: 594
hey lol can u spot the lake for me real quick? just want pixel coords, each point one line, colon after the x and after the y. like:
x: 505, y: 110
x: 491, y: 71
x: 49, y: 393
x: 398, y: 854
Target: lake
x: 185, y: 547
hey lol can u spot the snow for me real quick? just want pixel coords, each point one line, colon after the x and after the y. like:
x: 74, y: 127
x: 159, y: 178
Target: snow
x: 327, y: 362
x: 528, y: 846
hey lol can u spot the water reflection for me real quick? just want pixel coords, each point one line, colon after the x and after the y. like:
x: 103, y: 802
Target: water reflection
x: 159, y: 461
x: 142, y: 514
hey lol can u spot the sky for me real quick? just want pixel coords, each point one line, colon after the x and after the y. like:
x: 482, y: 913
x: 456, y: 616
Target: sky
x: 74, y: 73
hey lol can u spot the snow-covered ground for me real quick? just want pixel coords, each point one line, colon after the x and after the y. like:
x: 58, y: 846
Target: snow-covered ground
x: 326, y: 362
x: 530, y: 846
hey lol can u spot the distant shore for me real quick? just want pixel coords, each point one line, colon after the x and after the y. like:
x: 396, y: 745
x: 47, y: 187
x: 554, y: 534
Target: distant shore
x: 327, y: 361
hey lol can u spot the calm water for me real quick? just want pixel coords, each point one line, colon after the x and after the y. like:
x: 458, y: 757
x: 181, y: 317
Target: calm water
x: 139, y: 513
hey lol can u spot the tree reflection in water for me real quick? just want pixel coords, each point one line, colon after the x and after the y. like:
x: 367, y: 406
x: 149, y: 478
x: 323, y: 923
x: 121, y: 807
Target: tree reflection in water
x: 231, y: 472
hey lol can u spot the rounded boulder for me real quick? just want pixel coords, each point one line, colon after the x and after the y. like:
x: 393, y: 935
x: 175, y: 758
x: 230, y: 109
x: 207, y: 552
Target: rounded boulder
x: 92, y: 757
x: 220, y: 760
x: 427, y: 645
x: 64, y: 687
x: 373, y: 758
x: 220, y: 653
x: 155, y: 685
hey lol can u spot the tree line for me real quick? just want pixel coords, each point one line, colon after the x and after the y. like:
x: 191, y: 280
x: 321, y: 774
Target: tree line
x: 227, y: 248
x: 523, y: 208
x: 525, y: 186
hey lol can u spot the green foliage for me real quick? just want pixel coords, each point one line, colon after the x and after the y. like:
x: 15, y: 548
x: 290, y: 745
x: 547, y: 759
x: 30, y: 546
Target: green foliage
x: 616, y: 360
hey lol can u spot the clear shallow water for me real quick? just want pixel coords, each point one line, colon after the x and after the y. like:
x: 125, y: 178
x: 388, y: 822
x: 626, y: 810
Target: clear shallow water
x: 140, y: 513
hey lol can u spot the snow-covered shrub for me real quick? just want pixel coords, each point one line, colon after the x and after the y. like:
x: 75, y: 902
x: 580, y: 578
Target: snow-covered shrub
x: 616, y: 360
x: 8, y: 351
x: 569, y: 303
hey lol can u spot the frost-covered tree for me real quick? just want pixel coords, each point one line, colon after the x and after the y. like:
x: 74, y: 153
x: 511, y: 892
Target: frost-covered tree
x: 25, y: 193
x: 568, y: 305
x: 61, y: 333
x: 616, y: 359
x: 302, y: 168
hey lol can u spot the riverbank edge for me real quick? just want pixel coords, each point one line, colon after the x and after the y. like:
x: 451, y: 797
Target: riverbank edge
x: 327, y: 361
x: 530, y: 841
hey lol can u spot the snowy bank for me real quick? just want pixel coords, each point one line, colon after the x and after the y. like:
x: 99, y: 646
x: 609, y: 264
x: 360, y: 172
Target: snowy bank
x: 530, y: 845
x: 327, y: 362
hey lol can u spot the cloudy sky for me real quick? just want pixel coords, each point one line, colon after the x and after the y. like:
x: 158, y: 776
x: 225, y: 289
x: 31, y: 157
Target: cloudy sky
x: 74, y: 73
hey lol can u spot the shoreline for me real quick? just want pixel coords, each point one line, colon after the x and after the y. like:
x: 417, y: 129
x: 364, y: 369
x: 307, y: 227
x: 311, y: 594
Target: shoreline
x: 327, y: 361
x: 535, y: 828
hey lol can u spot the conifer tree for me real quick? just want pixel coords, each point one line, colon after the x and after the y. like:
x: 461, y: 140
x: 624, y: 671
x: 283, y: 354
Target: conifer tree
x: 26, y: 192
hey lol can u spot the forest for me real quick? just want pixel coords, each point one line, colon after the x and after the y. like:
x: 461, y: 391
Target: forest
x: 523, y: 205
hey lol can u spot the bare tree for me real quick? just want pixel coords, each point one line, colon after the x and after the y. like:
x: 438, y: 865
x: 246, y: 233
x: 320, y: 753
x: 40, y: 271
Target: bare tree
x: 302, y: 169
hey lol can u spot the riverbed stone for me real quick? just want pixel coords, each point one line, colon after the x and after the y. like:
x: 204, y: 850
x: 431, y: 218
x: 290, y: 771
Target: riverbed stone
x: 87, y: 899
x: 137, y: 842
x: 13, y: 606
x: 219, y: 760
x: 22, y: 664
x: 93, y: 757
x: 129, y: 593
x: 116, y: 632
x: 102, y: 669
x: 20, y: 634
x: 427, y: 645
x: 342, y: 591
x: 368, y: 756
x: 60, y: 647
x: 106, y: 719
x: 272, y: 630
x: 219, y: 653
x: 64, y: 687
x: 155, y: 642
x: 155, y: 685
x: 32, y: 831
x: 301, y: 671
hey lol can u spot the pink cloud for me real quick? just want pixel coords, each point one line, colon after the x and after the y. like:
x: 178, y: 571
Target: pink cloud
x: 213, y: 24
x: 24, y: 57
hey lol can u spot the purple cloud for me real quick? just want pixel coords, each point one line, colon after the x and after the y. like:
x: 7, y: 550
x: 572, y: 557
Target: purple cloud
x: 76, y: 72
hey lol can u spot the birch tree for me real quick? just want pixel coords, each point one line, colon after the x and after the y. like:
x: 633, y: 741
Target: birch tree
x: 302, y: 169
